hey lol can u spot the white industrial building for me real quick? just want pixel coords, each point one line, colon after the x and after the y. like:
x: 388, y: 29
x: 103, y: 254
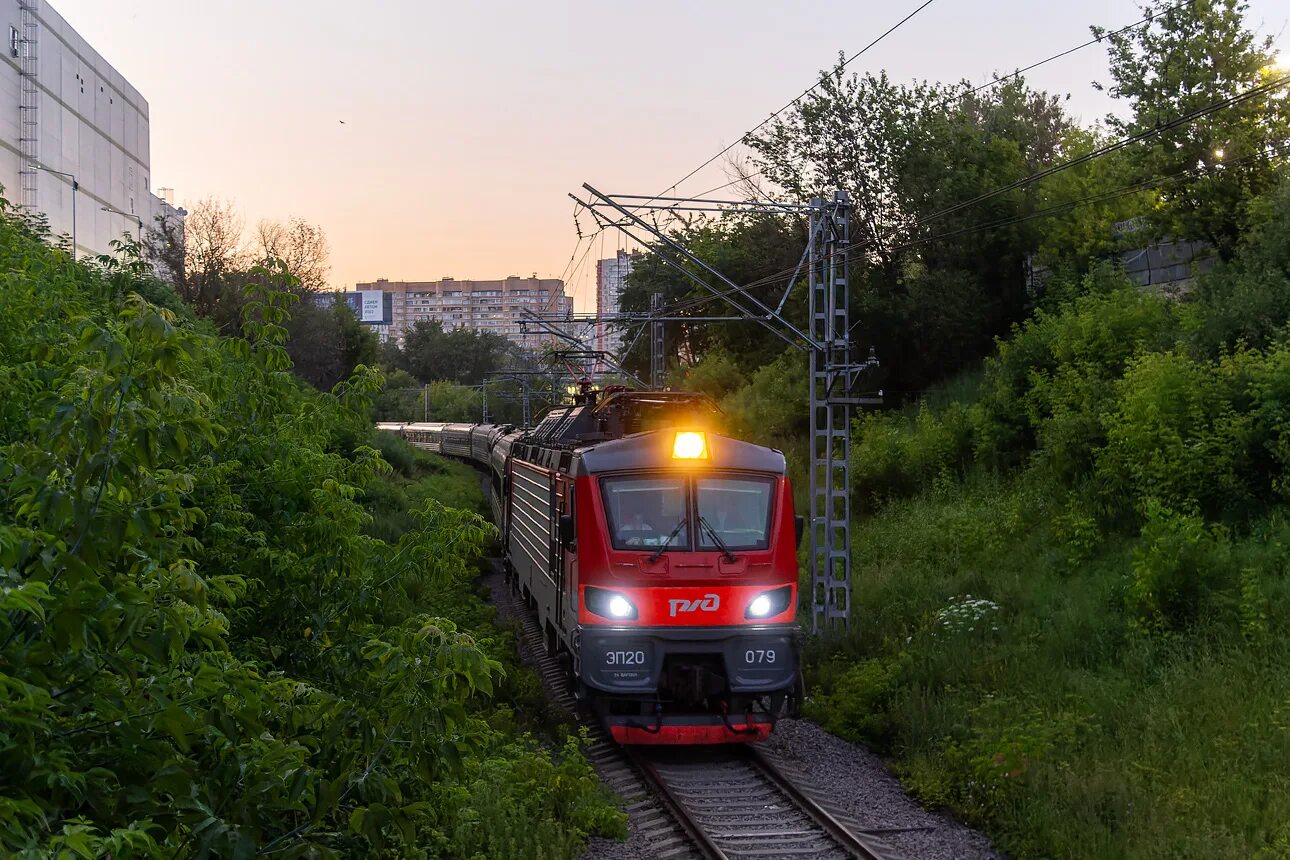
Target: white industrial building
x: 67, y: 116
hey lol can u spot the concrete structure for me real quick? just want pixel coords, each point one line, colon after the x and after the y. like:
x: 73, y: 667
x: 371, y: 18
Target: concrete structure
x: 63, y: 107
x: 491, y: 306
x: 1167, y: 267
x: 611, y: 280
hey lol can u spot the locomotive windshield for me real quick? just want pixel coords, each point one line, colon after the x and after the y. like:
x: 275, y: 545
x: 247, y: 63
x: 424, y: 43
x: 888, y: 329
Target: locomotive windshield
x: 657, y: 512
x: 737, y: 509
x: 643, y: 512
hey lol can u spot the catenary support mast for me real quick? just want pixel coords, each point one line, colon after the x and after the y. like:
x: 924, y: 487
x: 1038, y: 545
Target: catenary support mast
x: 834, y: 373
x: 657, y: 361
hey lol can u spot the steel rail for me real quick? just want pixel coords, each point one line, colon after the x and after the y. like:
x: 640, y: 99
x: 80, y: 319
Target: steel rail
x: 839, y: 833
x: 674, y: 805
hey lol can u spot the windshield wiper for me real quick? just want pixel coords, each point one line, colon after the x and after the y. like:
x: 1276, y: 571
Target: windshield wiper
x: 725, y: 550
x: 676, y: 531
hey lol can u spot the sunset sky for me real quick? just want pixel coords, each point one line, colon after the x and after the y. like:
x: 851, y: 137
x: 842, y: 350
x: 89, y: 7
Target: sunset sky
x: 466, y: 124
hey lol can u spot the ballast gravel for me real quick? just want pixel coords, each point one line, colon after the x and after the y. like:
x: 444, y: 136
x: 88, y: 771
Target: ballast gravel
x: 853, y: 783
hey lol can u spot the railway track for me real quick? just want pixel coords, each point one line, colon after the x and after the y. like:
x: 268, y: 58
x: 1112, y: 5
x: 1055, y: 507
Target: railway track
x: 735, y: 803
x: 709, y: 803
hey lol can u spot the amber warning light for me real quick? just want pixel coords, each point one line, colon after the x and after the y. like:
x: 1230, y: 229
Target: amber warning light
x: 690, y: 445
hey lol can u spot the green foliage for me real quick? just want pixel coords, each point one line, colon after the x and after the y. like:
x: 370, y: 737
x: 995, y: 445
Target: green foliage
x: 749, y: 250
x: 1072, y: 574
x: 856, y: 698
x: 905, y: 154
x: 769, y: 408
x: 452, y: 402
x: 717, y: 375
x: 1179, y: 433
x: 460, y: 355
x: 1244, y: 301
x: 327, y: 343
x: 1190, y: 57
x: 1173, y: 568
x: 204, y: 649
x: 1054, y: 730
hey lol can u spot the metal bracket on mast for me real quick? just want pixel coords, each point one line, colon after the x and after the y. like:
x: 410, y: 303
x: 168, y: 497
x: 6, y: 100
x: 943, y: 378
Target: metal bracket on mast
x: 603, y: 357
x: 767, y: 317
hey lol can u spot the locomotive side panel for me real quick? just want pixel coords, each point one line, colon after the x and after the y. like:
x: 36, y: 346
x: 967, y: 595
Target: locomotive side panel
x: 532, y: 528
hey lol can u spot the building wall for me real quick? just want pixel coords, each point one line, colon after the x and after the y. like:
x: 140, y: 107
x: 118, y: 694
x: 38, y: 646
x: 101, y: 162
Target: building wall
x: 91, y: 123
x: 492, y: 306
x: 611, y: 279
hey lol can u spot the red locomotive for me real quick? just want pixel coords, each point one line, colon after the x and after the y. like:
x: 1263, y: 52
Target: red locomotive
x: 659, y: 556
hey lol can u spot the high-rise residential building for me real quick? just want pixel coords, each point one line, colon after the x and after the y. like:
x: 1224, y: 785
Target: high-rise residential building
x: 491, y: 306
x: 73, y: 132
x: 611, y: 279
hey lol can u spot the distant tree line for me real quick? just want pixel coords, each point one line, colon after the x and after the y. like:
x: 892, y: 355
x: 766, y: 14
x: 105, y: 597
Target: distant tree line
x: 212, y: 261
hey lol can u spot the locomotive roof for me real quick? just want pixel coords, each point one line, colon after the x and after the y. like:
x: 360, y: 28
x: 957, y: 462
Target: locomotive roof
x: 653, y: 450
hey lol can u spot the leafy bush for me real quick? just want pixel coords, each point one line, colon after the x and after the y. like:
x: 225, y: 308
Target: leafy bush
x: 1174, y: 568
x: 1179, y: 433
x: 203, y: 649
x: 717, y: 375
x: 769, y: 408
x: 1119, y: 516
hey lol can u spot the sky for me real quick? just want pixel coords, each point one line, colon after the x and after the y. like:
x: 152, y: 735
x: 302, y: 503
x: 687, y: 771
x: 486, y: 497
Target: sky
x: 431, y: 138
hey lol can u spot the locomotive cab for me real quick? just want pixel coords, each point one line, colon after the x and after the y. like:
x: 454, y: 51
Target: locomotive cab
x: 686, y: 584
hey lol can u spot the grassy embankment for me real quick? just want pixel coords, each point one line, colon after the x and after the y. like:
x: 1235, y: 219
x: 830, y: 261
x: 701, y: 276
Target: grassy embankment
x: 1073, y: 608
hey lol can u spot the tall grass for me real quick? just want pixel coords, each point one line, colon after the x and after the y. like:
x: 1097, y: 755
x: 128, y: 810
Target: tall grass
x: 1070, y: 595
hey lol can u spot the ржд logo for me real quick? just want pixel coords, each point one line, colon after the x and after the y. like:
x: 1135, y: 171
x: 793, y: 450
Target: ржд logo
x: 707, y: 603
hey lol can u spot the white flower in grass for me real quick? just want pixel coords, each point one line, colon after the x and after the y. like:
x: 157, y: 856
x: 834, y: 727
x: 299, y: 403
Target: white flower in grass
x: 964, y: 614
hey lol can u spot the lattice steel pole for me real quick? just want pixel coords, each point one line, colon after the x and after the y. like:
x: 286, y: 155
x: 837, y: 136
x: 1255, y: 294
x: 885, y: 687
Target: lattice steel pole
x: 657, y: 361
x: 830, y: 408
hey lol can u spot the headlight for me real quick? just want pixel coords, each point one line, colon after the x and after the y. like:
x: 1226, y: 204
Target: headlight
x: 608, y: 604
x: 768, y: 604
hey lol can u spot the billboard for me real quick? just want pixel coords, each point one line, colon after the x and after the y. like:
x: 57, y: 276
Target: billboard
x: 373, y: 306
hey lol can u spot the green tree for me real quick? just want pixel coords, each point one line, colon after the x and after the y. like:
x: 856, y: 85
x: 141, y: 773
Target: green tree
x: 460, y: 355
x: 1191, y: 56
x: 205, y: 651
x: 327, y: 343
x: 745, y: 249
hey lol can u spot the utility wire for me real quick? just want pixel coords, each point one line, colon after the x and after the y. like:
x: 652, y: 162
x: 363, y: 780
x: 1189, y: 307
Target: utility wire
x: 994, y: 82
x: 793, y: 101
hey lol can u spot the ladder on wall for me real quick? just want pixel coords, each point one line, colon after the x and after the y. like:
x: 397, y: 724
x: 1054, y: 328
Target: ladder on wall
x: 28, y: 105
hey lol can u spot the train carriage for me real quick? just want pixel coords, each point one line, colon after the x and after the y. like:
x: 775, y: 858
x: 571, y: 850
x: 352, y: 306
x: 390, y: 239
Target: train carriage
x: 456, y: 440
x: 427, y: 436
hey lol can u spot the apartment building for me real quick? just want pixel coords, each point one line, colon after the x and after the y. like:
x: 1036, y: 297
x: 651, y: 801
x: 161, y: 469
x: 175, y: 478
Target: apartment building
x: 491, y: 306
x: 611, y: 280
